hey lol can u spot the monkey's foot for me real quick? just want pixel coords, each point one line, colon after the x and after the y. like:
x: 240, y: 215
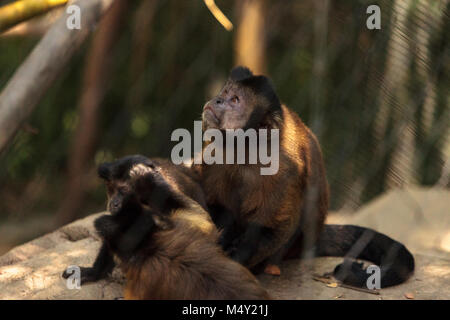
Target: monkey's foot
x: 272, y: 269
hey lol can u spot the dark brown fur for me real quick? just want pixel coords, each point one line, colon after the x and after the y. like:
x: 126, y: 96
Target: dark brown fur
x: 185, y: 264
x: 291, y: 205
x: 267, y: 218
x: 165, y: 241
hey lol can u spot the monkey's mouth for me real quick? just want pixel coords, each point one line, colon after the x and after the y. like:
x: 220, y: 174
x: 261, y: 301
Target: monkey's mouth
x: 209, y: 115
x: 112, y: 211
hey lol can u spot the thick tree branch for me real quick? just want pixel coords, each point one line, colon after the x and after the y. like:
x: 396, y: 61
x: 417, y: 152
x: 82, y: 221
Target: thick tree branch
x: 19, y: 11
x: 37, y: 73
x: 35, y: 27
x: 250, y: 43
x: 218, y: 14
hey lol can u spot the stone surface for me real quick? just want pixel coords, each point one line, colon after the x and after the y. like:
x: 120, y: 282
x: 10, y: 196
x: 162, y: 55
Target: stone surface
x: 33, y: 270
x: 417, y: 217
x: 431, y: 280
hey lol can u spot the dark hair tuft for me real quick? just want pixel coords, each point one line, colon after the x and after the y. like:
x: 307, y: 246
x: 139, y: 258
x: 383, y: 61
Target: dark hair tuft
x: 240, y: 73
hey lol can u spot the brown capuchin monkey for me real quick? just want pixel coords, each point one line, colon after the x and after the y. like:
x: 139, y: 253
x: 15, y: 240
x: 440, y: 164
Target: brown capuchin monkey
x: 165, y: 241
x: 267, y: 218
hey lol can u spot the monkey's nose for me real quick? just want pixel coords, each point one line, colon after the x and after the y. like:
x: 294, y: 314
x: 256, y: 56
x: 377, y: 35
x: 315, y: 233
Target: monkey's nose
x: 115, y: 204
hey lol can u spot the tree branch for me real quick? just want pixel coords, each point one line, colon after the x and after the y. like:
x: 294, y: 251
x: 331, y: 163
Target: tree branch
x: 218, y: 14
x: 19, y: 11
x: 37, y: 73
x: 96, y: 74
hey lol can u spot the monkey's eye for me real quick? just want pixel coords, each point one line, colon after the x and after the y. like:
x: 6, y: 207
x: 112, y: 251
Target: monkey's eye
x: 235, y: 99
x: 123, y: 190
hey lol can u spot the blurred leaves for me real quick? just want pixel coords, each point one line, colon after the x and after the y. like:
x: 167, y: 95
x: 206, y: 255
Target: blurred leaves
x: 189, y: 53
x: 22, y: 10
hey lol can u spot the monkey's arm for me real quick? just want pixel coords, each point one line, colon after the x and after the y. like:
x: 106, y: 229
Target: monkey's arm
x: 153, y: 188
x: 104, y: 262
x: 248, y: 246
x: 135, y: 235
x: 226, y: 223
x: 103, y: 265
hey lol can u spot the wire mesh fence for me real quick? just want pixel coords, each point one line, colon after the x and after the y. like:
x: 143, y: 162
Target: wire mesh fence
x: 376, y: 99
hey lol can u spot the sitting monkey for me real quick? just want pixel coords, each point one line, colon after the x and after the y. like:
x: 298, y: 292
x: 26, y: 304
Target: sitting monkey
x: 165, y: 241
x: 268, y: 218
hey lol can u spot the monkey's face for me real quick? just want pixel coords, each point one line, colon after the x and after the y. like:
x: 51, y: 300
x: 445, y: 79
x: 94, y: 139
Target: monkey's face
x: 230, y: 109
x: 244, y: 102
x: 120, y: 194
x: 118, y: 177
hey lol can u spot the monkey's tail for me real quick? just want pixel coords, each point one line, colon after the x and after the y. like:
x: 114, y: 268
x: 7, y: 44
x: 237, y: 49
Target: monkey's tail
x: 396, y: 263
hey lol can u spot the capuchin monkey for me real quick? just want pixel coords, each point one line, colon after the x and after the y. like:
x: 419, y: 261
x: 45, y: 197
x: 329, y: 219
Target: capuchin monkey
x: 119, y: 188
x: 267, y: 218
x: 165, y: 240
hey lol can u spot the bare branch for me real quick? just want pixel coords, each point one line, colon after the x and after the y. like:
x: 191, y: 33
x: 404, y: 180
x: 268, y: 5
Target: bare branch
x: 37, y: 73
x: 250, y: 42
x: 19, y: 11
x: 95, y: 80
x: 218, y: 14
x: 35, y: 27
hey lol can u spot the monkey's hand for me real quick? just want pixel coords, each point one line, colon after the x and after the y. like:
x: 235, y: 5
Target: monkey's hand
x: 141, y: 169
x: 103, y: 265
x: 228, y: 240
x: 230, y: 250
x: 230, y: 243
x: 153, y: 188
x: 241, y: 248
x: 147, y: 181
x: 67, y: 274
x: 87, y: 274
x: 249, y: 248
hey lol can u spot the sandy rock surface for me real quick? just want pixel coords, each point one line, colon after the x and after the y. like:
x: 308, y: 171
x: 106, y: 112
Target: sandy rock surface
x: 420, y: 218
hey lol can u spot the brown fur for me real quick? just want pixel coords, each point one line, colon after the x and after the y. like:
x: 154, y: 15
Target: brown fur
x: 181, y: 179
x: 293, y: 203
x: 184, y: 264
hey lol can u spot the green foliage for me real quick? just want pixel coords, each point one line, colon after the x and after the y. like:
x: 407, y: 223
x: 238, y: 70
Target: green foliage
x: 190, y: 53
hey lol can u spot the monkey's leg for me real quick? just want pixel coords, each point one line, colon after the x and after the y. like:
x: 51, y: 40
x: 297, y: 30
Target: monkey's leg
x: 228, y: 239
x: 260, y: 245
x: 253, y: 246
x: 225, y: 221
x: 103, y: 265
x: 272, y: 264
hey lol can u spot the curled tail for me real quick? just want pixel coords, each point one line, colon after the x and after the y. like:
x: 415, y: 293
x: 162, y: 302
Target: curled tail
x: 395, y: 261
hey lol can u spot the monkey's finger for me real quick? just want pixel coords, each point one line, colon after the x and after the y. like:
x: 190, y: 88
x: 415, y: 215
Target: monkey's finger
x: 140, y: 170
x: 273, y: 270
x: 66, y: 274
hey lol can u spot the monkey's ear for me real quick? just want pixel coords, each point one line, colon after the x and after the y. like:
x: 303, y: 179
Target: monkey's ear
x: 104, y: 171
x: 240, y: 73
